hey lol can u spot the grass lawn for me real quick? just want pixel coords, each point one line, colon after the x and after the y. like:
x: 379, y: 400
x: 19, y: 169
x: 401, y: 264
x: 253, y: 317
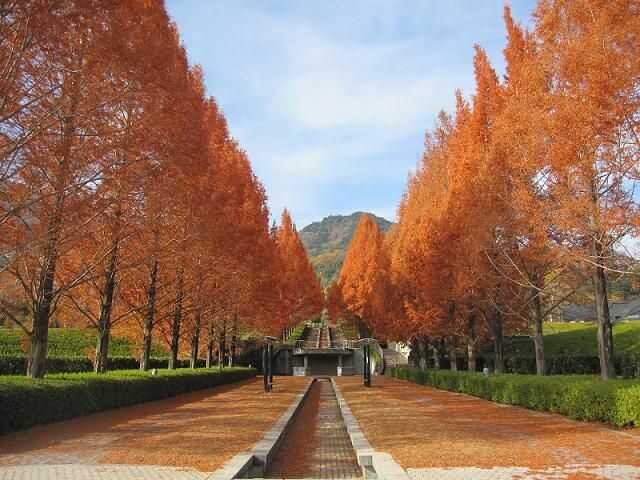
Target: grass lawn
x: 578, y: 339
x: 70, y: 342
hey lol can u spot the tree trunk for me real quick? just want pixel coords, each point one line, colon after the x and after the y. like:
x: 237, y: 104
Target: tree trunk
x: 599, y: 278
x: 210, y: 344
x: 234, y: 339
x: 42, y: 308
x: 453, y: 359
x: 222, y: 344
x: 39, y: 340
x: 149, y: 318
x: 106, y: 302
x: 195, y: 340
x: 44, y: 299
x: 538, y: 336
x: 471, y: 344
x: 498, y: 343
x: 436, y: 357
x: 605, y: 331
x: 100, y: 365
x: 177, y: 320
x: 422, y: 353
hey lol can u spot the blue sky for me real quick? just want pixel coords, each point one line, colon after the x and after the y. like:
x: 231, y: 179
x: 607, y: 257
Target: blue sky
x: 331, y: 98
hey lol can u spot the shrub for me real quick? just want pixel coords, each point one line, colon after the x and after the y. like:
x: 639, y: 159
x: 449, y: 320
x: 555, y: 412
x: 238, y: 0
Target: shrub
x: 627, y: 365
x: 25, y: 402
x: 581, y: 397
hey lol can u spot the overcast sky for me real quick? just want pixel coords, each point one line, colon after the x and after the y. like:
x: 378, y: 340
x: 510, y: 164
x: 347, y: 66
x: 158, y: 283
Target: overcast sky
x: 331, y: 99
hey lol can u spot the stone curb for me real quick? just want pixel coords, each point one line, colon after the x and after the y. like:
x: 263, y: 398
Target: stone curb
x: 253, y: 464
x: 375, y: 465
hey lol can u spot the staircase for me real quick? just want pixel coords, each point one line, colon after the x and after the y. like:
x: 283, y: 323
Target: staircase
x: 322, y: 337
x: 325, y: 337
x: 312, y: 338
x: 393, y: 359
x: 337, y: 338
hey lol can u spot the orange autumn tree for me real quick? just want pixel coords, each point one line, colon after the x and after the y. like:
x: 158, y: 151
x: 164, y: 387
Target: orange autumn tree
x: 458, y: 202
x: 127, y: 165
x: 589, y: 54
x: 300, y: 293
x: 532, y: 180
x: 74, y: 70
x: 124, y: 200
x: 361, y: 287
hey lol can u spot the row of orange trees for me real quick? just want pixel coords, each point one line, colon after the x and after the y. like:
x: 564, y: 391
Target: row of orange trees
x: 124, y: 201
x: 526, y: 190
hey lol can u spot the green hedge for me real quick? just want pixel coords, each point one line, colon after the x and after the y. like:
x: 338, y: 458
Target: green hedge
x: 581, y: 397
x: 17, y: 364
x: 25, y: 402
x: 627, y: 365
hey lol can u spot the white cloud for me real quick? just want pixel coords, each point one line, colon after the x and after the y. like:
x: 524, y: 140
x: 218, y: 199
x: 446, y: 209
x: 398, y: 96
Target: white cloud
x: 331, y: 99
x: 351, y: 85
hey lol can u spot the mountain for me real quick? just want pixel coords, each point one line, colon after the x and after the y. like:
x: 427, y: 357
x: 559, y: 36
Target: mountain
x: 327, y: 242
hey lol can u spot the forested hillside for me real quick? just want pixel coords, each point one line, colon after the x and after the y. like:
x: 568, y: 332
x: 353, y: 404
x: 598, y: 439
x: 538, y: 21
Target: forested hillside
x: 327, y: 241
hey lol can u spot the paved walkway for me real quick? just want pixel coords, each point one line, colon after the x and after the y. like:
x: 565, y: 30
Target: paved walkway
x: 317, y: 445
x: 441, y: 435
x: 178, y: 438
x: 99, y: 472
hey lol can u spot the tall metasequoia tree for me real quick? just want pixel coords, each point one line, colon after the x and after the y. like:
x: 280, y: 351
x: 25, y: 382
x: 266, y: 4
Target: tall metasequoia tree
x: 59, y: 162
x: 363, y: 278
x: 589, y: 52
x: 133, y: 133
x: 533, y: 180
x: 112, y: 166
x: 300, y: 290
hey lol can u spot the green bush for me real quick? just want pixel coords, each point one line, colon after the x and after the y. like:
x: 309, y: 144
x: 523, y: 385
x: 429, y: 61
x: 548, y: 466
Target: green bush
x: 627, y: 365
x: 581, y: 397
x: 25, y: 402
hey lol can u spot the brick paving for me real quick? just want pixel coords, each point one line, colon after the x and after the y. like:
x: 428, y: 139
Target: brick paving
x: 320, y: 432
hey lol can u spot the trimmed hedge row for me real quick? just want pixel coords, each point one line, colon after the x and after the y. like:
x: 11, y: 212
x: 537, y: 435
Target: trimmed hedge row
x: 25, y: 402
x: 17, y: 364
x: 580, y: 397
x: 627, y: 366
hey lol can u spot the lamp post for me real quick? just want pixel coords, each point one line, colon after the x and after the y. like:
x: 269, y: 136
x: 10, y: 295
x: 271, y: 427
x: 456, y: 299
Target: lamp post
x: 366, y: 353
x: 267, y: 363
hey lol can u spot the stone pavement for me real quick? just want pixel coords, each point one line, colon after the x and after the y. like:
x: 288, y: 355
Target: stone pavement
x: 439, y: 435
x: 178, y: 438
x: 98, y: 472
x: 603, y: 472
x: 317, y: 445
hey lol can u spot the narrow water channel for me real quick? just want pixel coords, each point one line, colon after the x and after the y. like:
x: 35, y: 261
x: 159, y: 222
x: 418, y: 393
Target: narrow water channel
x: 317, y: 444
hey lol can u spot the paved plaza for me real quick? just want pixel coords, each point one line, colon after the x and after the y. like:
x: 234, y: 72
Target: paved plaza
x: 195, y: 432
x: 432, y: 434
x: 439, y: 435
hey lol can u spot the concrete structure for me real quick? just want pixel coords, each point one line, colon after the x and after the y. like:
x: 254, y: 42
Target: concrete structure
x: 253, y: 464
x: 323, y: 351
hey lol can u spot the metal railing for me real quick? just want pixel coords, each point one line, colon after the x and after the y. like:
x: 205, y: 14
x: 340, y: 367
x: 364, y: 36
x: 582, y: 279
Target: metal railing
x: 300, y: 346
x: 349, y: 344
